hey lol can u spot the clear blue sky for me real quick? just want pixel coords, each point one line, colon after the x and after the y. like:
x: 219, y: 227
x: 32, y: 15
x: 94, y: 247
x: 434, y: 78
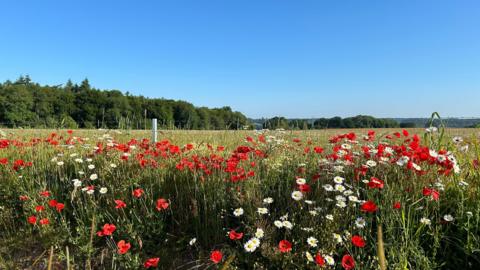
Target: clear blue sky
x: 293, y: 58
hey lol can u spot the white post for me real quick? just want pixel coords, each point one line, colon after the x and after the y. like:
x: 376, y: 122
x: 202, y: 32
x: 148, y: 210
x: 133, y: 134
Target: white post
x: 154, y: 130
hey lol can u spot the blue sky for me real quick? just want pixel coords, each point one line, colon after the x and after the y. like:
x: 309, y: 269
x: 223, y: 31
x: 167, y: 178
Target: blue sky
x: 264, y: 58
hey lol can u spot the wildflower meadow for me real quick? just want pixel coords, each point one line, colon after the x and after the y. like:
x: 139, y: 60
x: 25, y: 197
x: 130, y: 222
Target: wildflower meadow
x: 335, y: 199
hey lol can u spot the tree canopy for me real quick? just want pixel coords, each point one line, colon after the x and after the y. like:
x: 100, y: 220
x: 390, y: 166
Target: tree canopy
x: 24, y: 103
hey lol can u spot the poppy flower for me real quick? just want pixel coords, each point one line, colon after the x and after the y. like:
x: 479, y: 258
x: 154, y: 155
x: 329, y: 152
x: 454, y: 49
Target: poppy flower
x: 234, y: 235
x: 44, y: 221
x: 430, y: 192
x: 369, y: 207
x: 348, y: 262
x: 23, y: 198
x: 3, y: 161
x: 162, y: 204
x: 152, y: 262
x: 137, y: 192
x: 107, y: 229
x: 319, y: 260
x: 32, y: 219
x: 120, y: 204
x: 397, y: 205
x: 52, y: 203
x: 123, y: 247
x: 59, y: 207
x: 358, y: 241
x: 45, y: 193
x: 375, y: 183
x: 39, y: 208
x: 216, y: 256
x: 305, y: 188
x: 285, y: 246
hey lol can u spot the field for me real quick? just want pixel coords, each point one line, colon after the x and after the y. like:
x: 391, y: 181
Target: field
x: 329, y: 199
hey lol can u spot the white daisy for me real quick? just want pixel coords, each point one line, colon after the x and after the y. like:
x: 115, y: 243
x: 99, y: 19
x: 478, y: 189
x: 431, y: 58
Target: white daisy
x: 268, y: 200
x: 312, y: 241
x: 360, y: 223
x: 371, y: 163
x: 328, y: 187
x: 262, y: 211
x: 238, y: 212
x: 425, y: 221
x: 297, y: 195
x: 259, y: 233
x: 448, y: 218
x: 301, y: 181
x: 309, y: 256
x: 339, y: 188
x: 77, y: 183
x: 287, y: 224
x: 337, y: 237
x: 338, y: 179
x: 329, y: 259
x: 278, y: 224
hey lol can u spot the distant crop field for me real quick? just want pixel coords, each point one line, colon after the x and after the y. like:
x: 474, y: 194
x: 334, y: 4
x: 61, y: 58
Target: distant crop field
x: 323, y: 199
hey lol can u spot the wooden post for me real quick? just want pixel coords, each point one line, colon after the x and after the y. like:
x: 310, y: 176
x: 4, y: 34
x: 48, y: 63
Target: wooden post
x: 154, y: 130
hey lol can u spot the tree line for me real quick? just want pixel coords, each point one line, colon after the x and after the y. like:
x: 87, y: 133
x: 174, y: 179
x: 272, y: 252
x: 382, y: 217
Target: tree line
x: 359, y: 121
x: 24, y: 103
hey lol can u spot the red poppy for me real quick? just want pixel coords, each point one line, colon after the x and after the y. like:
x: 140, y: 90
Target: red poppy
x: 358, y: 241
x: 120, y: 204
x: 432, y: 193
x: 319, y: 260
x: 23, y: 198
x: 397, y: 205
x: 234, y: 235
x: 39, y: 208
x: 107, y: 229
x: 375, y: 183
x: 152, y: 262
x: 162, y: 204
x: 60, y: 207
x: 216, y: 256
x: 285, y: 246
x: 45, y: 193
x: 123, y: 247
x: 3, y: 161
x: 44, y: 221
x: 52, y: 203
x: 32, y: 219
x: 369, y: 206
x: 137, y: 192
x: 348, y: 262
x: 305, y: 188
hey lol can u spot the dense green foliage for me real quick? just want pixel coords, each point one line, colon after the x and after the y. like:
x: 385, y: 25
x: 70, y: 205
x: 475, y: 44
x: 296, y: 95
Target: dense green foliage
x: 24, y: 103
x: 448, y: 122
x: 359, y: 121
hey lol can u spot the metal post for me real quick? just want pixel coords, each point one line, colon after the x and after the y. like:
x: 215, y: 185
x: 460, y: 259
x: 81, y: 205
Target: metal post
x: 154, y: 130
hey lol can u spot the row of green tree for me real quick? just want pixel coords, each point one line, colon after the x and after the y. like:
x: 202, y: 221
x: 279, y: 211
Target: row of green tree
x: 359, y: 121
x: 24, y: 103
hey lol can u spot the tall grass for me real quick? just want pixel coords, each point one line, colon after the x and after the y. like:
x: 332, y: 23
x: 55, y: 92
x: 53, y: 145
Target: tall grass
x: 202, y: 195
